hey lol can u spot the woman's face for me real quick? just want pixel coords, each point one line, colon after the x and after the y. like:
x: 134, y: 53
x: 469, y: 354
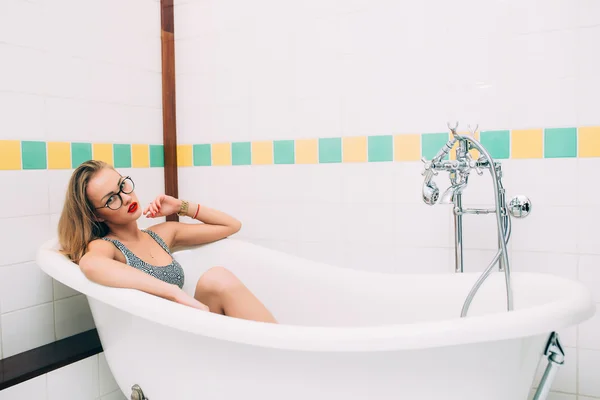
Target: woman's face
x: 107, y: 191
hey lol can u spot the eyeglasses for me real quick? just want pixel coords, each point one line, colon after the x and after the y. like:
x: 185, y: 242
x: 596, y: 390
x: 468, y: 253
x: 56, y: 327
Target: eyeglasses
x: 115, y: 201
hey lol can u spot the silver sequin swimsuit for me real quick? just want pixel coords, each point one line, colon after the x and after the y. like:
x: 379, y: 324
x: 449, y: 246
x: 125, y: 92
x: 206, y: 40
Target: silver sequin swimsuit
x: 172, y: 273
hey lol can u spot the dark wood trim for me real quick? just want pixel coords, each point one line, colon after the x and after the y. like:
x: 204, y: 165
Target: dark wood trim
x: 41, y: 360
x: 167, y: 34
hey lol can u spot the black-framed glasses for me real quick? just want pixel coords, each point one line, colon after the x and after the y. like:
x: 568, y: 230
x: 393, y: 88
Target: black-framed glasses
x: 115, y: 201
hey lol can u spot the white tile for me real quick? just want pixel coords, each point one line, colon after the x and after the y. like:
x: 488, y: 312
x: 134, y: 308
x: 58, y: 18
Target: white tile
x: 24, y: 236
x: 566, y: 377
x: 533, y: 16
x: 369, y: 183
x: 371, y: 223
x: 560, y: 264
x: 587, y: 39
x: 26, y: 329
x: 479, y: 231
x: 65, y: 119
x: 424, y: 260
x: 21, y: 116
x: 20, y: 23
x: 22, y: 69
x: 77, y: 381
x: 589, y: 274
x: 561, y: 396
x: 587, y: 89
x: 588, y: 191
x: 474, y: 260
x: 62, y: 291
x: 422, y: 225
x: 116, y: 395
x: 34, y: 388
x: 143, y: 124
x: 320, y: 222
x: 408, y: 182
x: 57, y: 181
x: 192, y: 19
x: 588, y: 13
x: 67, y: 76
x: 589, y: 333
x: 23, y: 286
x: 589, y: 385
x: 588, y: 235
x: 317, y: 116
x: 32, y: 187
x: 72, y: 316
x: 554, y: 184
x: 546, y: 229
x: 107, y: 382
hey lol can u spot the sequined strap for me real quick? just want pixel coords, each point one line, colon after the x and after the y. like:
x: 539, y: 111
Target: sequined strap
x: 158, y: 239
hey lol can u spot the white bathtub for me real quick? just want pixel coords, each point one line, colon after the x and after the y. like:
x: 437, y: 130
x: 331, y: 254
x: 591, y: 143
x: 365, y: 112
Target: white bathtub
x: 343, y: 334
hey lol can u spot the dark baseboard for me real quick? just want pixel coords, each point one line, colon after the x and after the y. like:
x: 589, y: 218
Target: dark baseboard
x: 41, y: 360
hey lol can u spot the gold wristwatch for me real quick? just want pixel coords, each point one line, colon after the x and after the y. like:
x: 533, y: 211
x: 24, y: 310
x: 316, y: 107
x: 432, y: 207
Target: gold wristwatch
x: 183, y: 209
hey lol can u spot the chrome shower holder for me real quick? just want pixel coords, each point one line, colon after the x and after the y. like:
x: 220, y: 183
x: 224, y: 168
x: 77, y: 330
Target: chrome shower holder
x: 459, y: 171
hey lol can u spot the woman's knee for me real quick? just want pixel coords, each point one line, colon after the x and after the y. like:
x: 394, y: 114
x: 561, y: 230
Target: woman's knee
x: 216, y: 281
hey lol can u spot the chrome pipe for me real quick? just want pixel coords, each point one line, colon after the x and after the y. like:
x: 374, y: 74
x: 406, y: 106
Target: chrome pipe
x: 458, y: 242
x: 556, y: 357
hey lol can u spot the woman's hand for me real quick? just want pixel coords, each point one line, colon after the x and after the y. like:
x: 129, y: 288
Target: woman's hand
x: 182, y: 297
x: 162, y: 206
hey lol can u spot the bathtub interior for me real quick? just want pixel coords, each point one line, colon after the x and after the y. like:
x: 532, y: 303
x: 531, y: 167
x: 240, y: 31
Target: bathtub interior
x: 303, y: 292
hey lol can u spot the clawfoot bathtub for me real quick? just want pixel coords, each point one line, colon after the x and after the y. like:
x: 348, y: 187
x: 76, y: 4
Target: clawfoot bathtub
x: 343, y: 334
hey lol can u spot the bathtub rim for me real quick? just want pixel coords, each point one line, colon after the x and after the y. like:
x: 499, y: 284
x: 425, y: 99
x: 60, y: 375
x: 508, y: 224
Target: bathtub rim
x: 571, y: 308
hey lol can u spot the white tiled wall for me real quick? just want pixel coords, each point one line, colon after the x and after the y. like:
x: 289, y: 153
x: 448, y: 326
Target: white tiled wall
x: 307, y: 69
x: 69, y: 71
x: 88, y: 379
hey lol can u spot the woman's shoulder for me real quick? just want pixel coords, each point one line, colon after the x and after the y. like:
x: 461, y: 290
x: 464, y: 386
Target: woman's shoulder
x: 165, y: 230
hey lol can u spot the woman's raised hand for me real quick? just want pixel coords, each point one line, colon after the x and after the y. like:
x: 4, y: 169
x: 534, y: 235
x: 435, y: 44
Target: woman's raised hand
x: 162, y: 206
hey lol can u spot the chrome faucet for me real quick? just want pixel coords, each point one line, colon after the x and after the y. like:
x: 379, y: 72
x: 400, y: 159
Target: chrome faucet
x: 459, y: 171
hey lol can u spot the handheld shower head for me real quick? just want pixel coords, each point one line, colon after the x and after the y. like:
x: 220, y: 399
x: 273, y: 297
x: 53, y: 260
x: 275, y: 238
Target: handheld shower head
x: 431, y: 193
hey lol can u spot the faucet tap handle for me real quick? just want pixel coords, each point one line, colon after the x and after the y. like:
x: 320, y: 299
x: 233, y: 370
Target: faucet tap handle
x: 473, y: 164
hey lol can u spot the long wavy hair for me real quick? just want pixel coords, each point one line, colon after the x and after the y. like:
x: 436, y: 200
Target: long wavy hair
x: 78, y: 226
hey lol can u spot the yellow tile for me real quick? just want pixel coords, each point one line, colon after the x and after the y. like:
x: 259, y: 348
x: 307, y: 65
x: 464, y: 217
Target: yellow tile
x: 10, y: 154
x: 221, y: 154
x: 59, y: 155
x: 184, y: 155
x: 407, y: 147
x: 589, y: 141
x: 140, y: 153
x: 262, y: 153
x: 103, y: 152
x: 307, y: 151
x: 527, y: 143
x: 354, y: 149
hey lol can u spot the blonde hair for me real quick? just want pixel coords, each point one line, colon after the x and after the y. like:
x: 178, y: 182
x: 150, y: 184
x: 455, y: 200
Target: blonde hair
x: 78, y: 226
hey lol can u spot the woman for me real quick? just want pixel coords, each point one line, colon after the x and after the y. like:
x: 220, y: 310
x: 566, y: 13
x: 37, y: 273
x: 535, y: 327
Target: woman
x: 98, y: 231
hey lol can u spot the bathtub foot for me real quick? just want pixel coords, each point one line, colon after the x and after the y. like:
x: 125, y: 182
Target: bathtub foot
x: 137, y: 393
x: 556, y: 358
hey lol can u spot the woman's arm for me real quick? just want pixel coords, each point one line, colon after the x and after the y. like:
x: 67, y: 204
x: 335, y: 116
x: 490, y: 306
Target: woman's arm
x: 99, y: 266
x: 216, y: 224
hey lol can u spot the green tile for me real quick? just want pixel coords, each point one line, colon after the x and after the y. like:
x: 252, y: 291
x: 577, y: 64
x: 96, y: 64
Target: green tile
x: 381, y: 148
x: 202, y: 156
x: 157, y: 155
x: 497, y: 143
x: 284, y: 151
x: 34, y: 155
x: 80, y: 153
x: 330, y: 150
x: 560, y: 142
x: 241, y: 153
x: 432, y: 143
x: 122, y: 155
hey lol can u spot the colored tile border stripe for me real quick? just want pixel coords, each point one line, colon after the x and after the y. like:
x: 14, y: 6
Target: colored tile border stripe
x: 560, y: 142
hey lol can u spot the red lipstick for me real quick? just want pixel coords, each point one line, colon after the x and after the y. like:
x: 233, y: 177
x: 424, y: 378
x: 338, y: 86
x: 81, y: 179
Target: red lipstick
x: 132, y: 207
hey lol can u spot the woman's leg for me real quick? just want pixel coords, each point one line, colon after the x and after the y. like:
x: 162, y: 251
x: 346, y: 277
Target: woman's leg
x: 224, y: 293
